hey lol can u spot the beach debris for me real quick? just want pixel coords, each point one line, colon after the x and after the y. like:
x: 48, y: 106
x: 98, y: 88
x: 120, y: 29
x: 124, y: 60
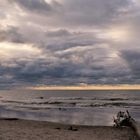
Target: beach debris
x: 58, y: 128
x: 10, y: 119
x: 41, y: 97
x: 72, y: 129
x: 60, y: 108
x: 124, y: 119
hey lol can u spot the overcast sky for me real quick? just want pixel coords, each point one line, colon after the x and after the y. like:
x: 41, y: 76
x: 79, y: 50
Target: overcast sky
x: 69, y: 42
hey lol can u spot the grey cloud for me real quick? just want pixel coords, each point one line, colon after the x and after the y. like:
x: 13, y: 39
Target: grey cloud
x: 133, y: 59
x: 34, y: 5
x: 58, y: 33
x: 74, y: 13
x: 63, y: 39
x: 91, y: 64
x: 12, y: 35
x: 91, y: 12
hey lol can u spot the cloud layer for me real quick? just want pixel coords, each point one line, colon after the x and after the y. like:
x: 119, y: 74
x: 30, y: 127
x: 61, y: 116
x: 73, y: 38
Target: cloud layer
x: 68, y: 42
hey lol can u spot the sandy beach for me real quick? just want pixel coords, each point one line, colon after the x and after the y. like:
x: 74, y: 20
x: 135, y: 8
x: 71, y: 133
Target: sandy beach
x: 35, y: 130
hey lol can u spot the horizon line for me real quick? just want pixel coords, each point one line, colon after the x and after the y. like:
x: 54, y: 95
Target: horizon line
x: 87, y: 87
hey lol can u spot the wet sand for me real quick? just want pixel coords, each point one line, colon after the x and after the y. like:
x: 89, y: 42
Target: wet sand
x: 34, y: 130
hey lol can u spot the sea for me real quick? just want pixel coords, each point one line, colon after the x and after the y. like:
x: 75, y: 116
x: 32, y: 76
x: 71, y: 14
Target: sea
x: 82, y: 107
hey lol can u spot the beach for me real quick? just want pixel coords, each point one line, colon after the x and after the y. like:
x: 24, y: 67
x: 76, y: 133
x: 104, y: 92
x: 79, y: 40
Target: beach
x: 16, y: 129
x: 66, y: 115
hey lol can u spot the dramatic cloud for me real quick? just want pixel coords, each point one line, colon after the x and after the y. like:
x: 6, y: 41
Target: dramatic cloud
x: 69, y: 42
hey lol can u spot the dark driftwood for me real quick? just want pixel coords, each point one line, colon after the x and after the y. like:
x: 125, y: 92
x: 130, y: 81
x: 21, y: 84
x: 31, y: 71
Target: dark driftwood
x: 124, y: 119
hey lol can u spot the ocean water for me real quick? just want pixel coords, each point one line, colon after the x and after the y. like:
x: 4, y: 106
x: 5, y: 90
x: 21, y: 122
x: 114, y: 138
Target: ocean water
x: 72, y: 107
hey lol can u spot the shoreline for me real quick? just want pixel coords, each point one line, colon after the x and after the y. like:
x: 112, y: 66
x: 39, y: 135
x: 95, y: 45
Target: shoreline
x: 15, y: 129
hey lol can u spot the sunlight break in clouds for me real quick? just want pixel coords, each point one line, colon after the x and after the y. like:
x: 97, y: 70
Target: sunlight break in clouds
x: 9, y: 51
x: 118, y: 34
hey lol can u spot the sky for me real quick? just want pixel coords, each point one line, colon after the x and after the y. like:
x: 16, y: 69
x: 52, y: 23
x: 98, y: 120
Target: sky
x: 69, y: 42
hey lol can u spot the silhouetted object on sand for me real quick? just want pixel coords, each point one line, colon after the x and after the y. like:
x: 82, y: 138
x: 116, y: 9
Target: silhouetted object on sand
x: 124, y: 119
x: 72, y: 129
